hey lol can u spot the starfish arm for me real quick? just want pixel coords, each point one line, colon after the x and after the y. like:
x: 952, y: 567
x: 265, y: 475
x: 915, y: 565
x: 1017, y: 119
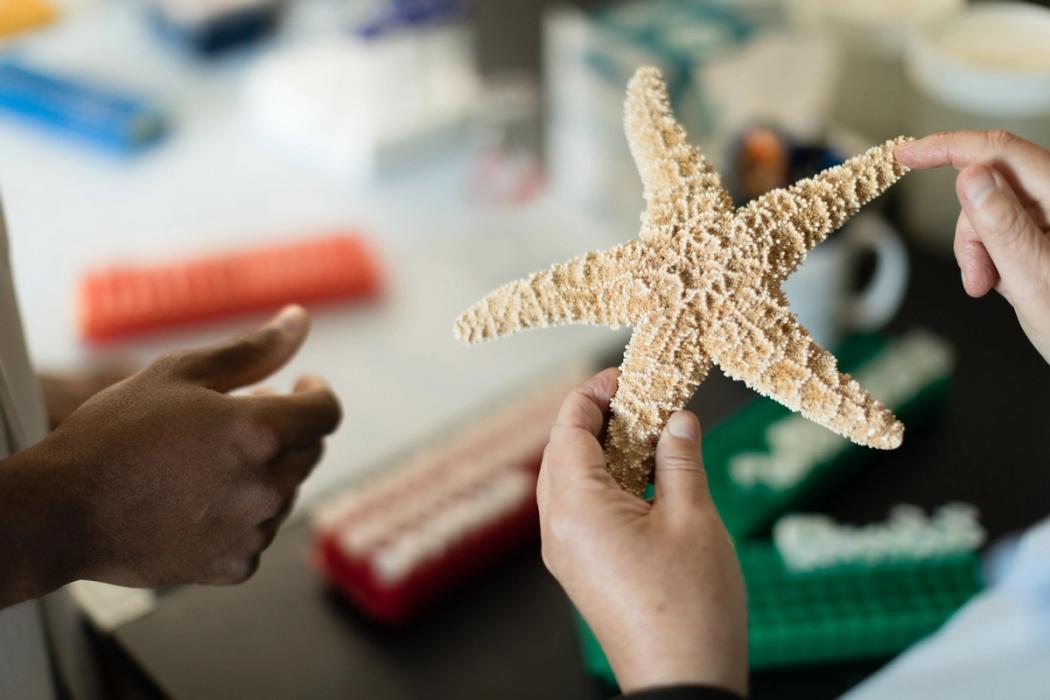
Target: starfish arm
x: 596, y: 288
x: 799, y: 217
x: 662, y: 367
x: 678, y: 181
x: 761, y: 343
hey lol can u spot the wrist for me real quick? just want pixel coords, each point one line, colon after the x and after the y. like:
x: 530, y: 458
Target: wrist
x: 42, y: 525
x: 657, y: 653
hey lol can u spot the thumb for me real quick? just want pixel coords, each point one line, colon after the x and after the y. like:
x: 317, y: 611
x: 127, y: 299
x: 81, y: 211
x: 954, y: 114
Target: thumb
x: 1019, y: 249
x: 680, y: 480
x: 253, y: 356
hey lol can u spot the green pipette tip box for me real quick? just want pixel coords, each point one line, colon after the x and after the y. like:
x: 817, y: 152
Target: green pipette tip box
x: 840, y: 613
x: 748, y: 511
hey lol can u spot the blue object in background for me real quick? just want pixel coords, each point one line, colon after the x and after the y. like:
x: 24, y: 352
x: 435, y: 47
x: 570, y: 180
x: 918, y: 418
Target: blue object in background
x: 413, y: 13
x: 109, y: 117
x: 211, y: 33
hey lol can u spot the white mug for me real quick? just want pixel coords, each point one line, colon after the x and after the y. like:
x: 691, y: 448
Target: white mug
x: 819, y: 292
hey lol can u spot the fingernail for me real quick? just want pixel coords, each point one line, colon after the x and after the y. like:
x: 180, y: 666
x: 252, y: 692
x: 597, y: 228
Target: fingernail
x: 291, y: 318
x: 683, y: 425
x: 979, y: 185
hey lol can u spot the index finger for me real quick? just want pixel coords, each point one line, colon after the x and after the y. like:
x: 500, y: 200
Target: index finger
x: 301, y: 418
x: 574, y: 449
x: 961, y: 149
x: 588, y: 404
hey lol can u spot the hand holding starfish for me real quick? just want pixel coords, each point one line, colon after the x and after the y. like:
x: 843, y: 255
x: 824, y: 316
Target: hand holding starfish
x: 702, y: 286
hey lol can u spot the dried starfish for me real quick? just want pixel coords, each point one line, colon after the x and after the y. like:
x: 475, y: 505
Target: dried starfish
x: 702, y: 286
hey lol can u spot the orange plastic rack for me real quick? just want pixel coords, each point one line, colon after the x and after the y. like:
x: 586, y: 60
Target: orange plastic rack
x: 125, y: 300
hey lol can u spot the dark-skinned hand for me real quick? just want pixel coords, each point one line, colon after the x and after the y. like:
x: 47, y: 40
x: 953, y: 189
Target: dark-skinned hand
x: 66, y: 392
x: 166, y: 478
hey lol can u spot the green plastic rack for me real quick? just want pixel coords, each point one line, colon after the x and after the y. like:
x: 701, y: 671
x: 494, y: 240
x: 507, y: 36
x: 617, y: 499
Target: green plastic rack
x: 748, y: 511
x: 851, y: 611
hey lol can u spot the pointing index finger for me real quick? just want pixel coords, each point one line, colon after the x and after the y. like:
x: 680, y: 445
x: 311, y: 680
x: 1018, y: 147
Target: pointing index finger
x: 960, y: 149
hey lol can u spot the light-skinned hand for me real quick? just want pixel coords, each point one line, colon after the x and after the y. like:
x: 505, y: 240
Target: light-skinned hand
x: 1001, y: 237
x: 658, y: 582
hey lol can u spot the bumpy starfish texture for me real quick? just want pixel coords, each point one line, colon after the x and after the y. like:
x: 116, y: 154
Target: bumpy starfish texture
x: 702, y: 286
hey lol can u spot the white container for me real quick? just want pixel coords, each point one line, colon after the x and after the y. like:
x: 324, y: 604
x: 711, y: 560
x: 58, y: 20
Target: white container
x: 871, y: 37
x: 588, y: 59
x: 821, y: 292
x: 357, y: 106
x: 988, y: 68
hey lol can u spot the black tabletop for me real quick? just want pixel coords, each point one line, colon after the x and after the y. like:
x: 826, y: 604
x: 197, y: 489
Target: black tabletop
x: 284, y: 634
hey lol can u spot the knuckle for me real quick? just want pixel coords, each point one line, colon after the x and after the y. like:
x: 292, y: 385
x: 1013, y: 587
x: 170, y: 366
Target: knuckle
x: 236, y: 570
x: 259, y: 442
x: 683, y: 461
x: 563, y: 434
x: 269, y: 503
x: 1001, y: 137
x: 1012, y: 226
x: 582, y: 409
